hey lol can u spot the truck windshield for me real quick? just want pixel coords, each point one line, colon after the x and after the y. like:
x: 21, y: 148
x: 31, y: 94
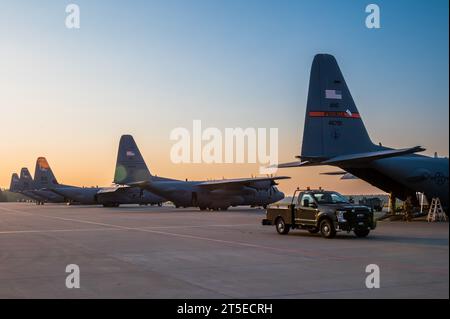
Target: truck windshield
x: 330, y: 198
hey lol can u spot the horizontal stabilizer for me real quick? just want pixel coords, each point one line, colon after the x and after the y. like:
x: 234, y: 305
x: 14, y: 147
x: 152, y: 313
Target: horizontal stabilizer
x: 371, y: 156
x: 354, y: 158
x: 294, y: 164
x: 140, y: 184
x: 349, y: 176
x: 334, y: 173
x: 344, y: 174
x: 113, y: 189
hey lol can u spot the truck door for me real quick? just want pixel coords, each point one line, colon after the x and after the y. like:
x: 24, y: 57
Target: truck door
x: 306, y: 213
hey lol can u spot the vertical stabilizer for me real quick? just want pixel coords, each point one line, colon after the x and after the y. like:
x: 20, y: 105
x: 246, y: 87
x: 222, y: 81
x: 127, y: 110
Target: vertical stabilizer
x: 14, y: 186
x: 130, y: 165
x: 43, y: 174
x: 333, y: 125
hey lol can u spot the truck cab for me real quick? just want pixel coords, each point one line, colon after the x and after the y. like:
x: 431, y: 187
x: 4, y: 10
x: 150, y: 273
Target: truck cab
x: 327, y: 212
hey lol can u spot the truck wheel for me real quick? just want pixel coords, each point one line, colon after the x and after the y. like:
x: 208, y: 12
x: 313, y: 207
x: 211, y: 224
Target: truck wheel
x: 327, y: 229
x: 281, y: 226
x: 361, y: 232
x: 313, y: 230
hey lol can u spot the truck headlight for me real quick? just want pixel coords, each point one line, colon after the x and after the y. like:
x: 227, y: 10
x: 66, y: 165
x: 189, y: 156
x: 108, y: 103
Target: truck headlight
x: 340, y: 216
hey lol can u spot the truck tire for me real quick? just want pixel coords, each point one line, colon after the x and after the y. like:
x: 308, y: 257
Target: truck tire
x: 327, y: 229
x: 281, y: 226
x: 361, y: 232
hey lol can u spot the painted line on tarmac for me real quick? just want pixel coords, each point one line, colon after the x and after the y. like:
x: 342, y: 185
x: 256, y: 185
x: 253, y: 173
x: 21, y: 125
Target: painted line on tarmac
x: 221, y: 241
x: 195, y: 226
x: 304, y: 252
x: 7, y: 232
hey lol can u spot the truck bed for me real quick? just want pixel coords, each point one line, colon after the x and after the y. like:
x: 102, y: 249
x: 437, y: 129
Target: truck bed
x: 274, y: 212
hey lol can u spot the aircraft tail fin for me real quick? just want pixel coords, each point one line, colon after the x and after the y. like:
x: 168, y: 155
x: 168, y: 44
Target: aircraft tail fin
x: 333, y: 125
x: 43, y: 174
x: 14, y: 186
x: 25, y: 180
x: 130, y: 165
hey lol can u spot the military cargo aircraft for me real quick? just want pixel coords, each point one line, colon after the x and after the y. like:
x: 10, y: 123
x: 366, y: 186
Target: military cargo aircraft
x: 26, y: 186
x: 112, y: 196
x: 334, y: 134
x: 45, y: 188
x: 215, y: 195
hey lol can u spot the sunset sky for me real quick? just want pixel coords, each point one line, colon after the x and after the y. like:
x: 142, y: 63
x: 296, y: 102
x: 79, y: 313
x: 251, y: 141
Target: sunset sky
x: 147, y: 67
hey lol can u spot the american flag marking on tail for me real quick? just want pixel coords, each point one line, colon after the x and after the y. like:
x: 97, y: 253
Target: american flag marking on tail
x: 333, y: 94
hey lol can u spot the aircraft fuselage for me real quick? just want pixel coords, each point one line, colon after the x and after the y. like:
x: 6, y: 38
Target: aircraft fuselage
x: 192, y: 194
x: 405, y: 175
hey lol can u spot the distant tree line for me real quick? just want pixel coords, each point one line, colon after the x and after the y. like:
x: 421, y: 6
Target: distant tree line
x: 2, y: 196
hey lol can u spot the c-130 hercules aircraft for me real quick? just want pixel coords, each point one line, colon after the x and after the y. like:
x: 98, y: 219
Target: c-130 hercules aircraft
x: 334, y: 134
x: 45, y: 188
x: 216, y: 195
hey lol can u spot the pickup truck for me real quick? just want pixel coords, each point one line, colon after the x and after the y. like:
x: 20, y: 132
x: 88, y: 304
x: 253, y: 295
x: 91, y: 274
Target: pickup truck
x: 321, y: 211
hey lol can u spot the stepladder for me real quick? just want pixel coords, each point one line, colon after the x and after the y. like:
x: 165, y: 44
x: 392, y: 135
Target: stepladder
x: 436, y: 213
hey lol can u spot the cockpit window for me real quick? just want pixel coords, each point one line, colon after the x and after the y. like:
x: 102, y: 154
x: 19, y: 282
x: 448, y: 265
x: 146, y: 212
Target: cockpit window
x: 330, y: 198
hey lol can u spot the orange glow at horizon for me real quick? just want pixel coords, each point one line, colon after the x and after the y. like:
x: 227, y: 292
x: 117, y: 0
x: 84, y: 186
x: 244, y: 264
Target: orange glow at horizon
x: 94, y: 166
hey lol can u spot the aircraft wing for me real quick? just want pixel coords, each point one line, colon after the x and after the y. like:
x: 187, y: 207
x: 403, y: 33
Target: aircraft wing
x: 240, y: 181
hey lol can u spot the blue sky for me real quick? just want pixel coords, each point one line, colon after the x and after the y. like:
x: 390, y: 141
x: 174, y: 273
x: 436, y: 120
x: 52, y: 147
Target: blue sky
x: 146, y: 67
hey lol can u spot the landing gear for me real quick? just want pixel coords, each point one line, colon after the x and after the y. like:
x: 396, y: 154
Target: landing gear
x: 111, y: 205
x: 216, y: 209
x: 392, y: 202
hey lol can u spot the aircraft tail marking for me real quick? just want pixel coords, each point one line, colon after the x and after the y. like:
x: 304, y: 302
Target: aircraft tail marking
x: 13, y: 187
x: 333, y: 125
x: 130, y: 165
x: 25, y: 180
x: 43, y: 174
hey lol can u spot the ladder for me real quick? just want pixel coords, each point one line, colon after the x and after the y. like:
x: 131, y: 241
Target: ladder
x: 436, y: 213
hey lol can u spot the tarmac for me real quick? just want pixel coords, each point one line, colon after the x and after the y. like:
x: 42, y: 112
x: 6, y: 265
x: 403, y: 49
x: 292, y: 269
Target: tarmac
x: 163, y: 252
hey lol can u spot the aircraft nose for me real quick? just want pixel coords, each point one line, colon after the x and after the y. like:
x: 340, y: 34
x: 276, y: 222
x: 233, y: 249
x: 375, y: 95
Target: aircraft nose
x: 281, y: 195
